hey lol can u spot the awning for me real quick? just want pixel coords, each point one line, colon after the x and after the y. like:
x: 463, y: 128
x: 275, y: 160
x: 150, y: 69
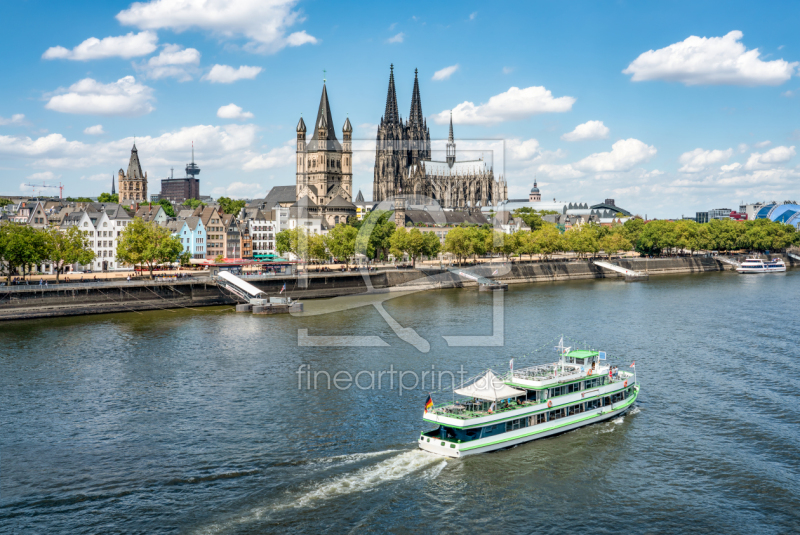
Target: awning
x: 490, y: 388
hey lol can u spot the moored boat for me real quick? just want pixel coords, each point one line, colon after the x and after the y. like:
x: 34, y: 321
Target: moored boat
x: 529, y: 403
x: 757, y: 265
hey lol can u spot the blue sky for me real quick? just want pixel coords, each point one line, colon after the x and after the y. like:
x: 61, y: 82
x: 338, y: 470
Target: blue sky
x: 682, y: 106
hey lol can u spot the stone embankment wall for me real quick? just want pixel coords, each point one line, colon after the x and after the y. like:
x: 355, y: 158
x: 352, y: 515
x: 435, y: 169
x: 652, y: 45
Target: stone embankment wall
x: 27, y: 302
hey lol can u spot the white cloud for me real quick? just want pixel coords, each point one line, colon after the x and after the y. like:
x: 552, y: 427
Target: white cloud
x: 473, y: 15
x: 173, y: 61
x: 514, y: 104
x: 239, y: 190
x: 625, y: 154
x: 264, y: 23
x: 730, y: 167
x: 742, y: 148
x: 396, y: 38
x: 762, y: 144
x: 90, y: 97
x: 96, y: 130
x: 522, y: 150
x: 699, y: 159
x: 710, y: 60
x: 217, y: 147
x: 508, y: 70
x: 43, y: 176
x: 125, y: 46
x: 16, y: 119
x: 99, y: 177
x: 225, y: 74
x: 445, y: 73
x: 232, y: 111
x: 777, y: 155
x: 277, y: 157
x: 787, y: 94
x: 587, y: 130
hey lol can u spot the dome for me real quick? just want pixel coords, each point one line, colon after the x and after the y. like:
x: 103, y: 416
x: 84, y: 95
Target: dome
x: 534, y: 189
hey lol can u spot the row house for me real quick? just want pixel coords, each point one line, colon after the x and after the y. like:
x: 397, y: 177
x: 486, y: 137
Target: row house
x: 103, y: 228
x: 215, y: 227
x: 192, y: 234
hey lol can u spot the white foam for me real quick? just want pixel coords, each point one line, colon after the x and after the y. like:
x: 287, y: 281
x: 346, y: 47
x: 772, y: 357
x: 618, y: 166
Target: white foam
x: 434, y: 472
x: 339, y: 460
x: 618, y: 420
x: 634, y: 410
x: 392, y: 469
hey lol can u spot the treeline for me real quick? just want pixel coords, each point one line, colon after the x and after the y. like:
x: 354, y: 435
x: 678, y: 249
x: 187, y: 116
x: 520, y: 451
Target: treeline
x: 381, y: 238
x: 23, y: 247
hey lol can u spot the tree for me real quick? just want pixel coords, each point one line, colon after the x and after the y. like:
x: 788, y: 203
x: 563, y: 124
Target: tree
x: 632, y: 228
x: 316, y: 247
x: 147, y: 244
x: 5, y: 202
x: 341, y: 242
x: 477, y: 241
x: 531, y: 217
x: 219, y: 259
x: 193, y: 203
x: 78, y: 199
x: 230, y: 206
x: 548, y: 240
x: 108, y: 197
x: 374, y: 233
x: 398, y: 243
x: 612, y: 243
x: 526, y: 244
x: 416, y: 245
x: 456, y: 242
x: 22, y: 247
x: 69, y: 247
x: 168, y: 208
x: 431, y: 244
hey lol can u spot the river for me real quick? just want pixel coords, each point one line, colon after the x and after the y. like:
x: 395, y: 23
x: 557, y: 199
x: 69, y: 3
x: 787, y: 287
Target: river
x: 191, y: 421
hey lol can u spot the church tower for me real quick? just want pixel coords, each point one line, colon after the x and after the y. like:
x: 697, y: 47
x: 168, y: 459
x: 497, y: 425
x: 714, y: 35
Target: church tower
x: 451, y: 145
x: 419, y: 137
x: 535, y: 195
x: 390, y: 158
x: 132, y: 186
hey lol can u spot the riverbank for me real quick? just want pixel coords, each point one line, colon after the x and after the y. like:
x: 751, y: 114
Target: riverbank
x: 30, y: 302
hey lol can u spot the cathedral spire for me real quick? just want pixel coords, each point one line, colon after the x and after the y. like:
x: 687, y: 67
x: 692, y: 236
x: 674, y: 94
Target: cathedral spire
x: 391, y: 115
x: 324, y: 123
x: 450, y: 135
x: 415, y: 116
x: 451, y: 144
x: 113, y: 189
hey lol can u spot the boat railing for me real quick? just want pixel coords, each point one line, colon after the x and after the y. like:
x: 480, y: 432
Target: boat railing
x: 546, y: 372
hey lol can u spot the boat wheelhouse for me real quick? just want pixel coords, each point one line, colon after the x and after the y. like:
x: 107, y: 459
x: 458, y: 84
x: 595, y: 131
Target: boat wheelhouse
x: 757, y: 265
x: 529, y: 403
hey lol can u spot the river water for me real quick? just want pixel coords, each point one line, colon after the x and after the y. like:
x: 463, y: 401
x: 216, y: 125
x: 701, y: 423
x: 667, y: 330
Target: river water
x: 192, y: 421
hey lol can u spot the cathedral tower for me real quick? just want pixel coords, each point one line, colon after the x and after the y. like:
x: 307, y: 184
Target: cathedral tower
x: 451, y: 145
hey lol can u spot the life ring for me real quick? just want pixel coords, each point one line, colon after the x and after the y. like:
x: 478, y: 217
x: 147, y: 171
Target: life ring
x: 625, y: 385
x: 590, y: 372
x: 549, y: 403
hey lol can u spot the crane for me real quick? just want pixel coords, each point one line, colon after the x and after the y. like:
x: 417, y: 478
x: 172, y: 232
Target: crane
x: 43, y: 185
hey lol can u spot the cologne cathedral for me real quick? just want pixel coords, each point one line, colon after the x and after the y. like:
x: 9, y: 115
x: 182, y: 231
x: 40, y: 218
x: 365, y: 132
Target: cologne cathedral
x: 404, y: 164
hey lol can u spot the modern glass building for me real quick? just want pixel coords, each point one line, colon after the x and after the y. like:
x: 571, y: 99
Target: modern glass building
x: 782, y: 213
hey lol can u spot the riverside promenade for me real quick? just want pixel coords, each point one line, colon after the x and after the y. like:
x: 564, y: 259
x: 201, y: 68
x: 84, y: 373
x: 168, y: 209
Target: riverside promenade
x: 70, y: 299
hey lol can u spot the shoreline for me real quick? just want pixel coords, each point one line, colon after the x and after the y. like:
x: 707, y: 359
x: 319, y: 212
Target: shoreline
x: 35, y: 302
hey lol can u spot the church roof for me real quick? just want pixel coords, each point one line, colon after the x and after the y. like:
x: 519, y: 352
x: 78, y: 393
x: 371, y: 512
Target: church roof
x: 280, y: 194
x: 391, y: 115
x: 535, y: 188
x: 347, y: 126
x: 464, y: 168
x: 415, y: 116
x: 359, y: 197
x: 339, y: 202
x: 134, y: 167
x: 304, y: 202
x: 301, y: 126
x: 325, y: 121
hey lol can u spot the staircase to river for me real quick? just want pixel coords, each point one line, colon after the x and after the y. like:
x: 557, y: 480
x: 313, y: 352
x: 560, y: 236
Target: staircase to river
x: 630, y: 275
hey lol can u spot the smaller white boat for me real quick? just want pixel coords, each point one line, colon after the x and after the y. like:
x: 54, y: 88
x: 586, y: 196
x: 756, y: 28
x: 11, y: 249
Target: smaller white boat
x: 756, y: 265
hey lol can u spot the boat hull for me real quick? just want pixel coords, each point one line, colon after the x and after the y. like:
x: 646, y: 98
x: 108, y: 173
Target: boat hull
x: 528, y: 434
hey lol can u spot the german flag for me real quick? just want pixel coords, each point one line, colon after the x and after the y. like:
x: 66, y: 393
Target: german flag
x: 428, y: 403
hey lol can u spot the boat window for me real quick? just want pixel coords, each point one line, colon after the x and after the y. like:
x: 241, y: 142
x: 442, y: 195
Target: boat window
x: 606, y: 401
x: 541, y: 418
x: 513, y: 425
x: 557, y: 391
x: 556, y: 414
x: 573, y: 387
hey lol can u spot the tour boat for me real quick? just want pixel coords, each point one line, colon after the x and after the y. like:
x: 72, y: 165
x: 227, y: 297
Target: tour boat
x: 529, y: 403
x: 756, y: 265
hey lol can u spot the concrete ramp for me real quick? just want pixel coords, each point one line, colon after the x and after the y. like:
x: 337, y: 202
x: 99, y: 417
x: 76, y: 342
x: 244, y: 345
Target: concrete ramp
x: 238, y: 287
x: 790, y: 255
x: 729, y: 261
x: 629, y: 273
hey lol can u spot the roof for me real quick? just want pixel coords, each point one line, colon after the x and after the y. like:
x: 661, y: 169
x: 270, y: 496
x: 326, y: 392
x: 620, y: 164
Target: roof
x: 582, y: 354
x: 490, y: 388
x: 611, y: 207
x: 134, y: 167
x: 359, y: 197
x: 347, y: 126
x: 301, y: 126
x: 464, y: 168
x: 192, y: 222
x: 281, y: 194
x: 444, y: 217
x: 324, y: 121
x: 339, y: 202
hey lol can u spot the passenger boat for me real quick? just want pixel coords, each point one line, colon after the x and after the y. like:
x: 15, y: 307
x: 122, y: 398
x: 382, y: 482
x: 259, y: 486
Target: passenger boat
x: 756, y: 265
x: 529, y: 403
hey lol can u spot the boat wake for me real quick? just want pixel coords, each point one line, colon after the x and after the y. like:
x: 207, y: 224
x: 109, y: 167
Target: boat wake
x: 363, y: 479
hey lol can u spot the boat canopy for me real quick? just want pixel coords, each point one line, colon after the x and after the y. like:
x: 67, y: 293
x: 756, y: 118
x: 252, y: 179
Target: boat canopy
x: 582, y: 354
x: 489, y: 387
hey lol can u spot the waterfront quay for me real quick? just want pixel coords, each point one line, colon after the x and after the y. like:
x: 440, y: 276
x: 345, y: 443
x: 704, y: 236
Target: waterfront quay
x: 70, y: 299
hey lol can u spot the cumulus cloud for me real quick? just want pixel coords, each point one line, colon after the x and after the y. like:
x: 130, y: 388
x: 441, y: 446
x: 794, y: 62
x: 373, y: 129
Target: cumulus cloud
x: 445, y: 73
x: 265, y: 24
x: 508, y: 70
x: 777, y: 155
x: 127, y: 46
x: 218, y: 147
x: 625, y: 154
x: 396, y: 38
x: 730, y: 167
x: 513, y: 105
x: 699, y: 159
x: 96, y: 130
x: 225, y: 74
x: 15, y: 120
x: 173, y: 61
x: 587, y: 130
x: 277, y: 157
x: 710, y: 61
x: 90, y: 97
x: 762, y: 144
x: 239, y: 190
x: 232, y: 111
x: 44, y: 176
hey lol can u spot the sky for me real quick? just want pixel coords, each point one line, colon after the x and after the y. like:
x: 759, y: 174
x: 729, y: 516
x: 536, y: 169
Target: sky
x: 667, y: 107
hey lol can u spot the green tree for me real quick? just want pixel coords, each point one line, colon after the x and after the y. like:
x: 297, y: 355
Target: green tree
x: 583, y: 239
x: 614, y: 242
x: 231, y: 206
x: 416, y: 245
x: 193, y: 203
x: 398, y: 243
x: 78, y: 199
x: 22, y: 247
x: 632, y: 229
x: 457, y: 243
x: 108, y: 197
x: 725, y: 233
x: 431, y: 244
x: 69, y: 247
x: 526, y: 244
x: 477, y: 241
x: 341, y: 242
x: 147, y: 244
x: 548, y: 240
x: 531, y: 217
x: 5, y: 202
x: 316, y: 247
x: 374, y: 233
x: 168, y: 208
